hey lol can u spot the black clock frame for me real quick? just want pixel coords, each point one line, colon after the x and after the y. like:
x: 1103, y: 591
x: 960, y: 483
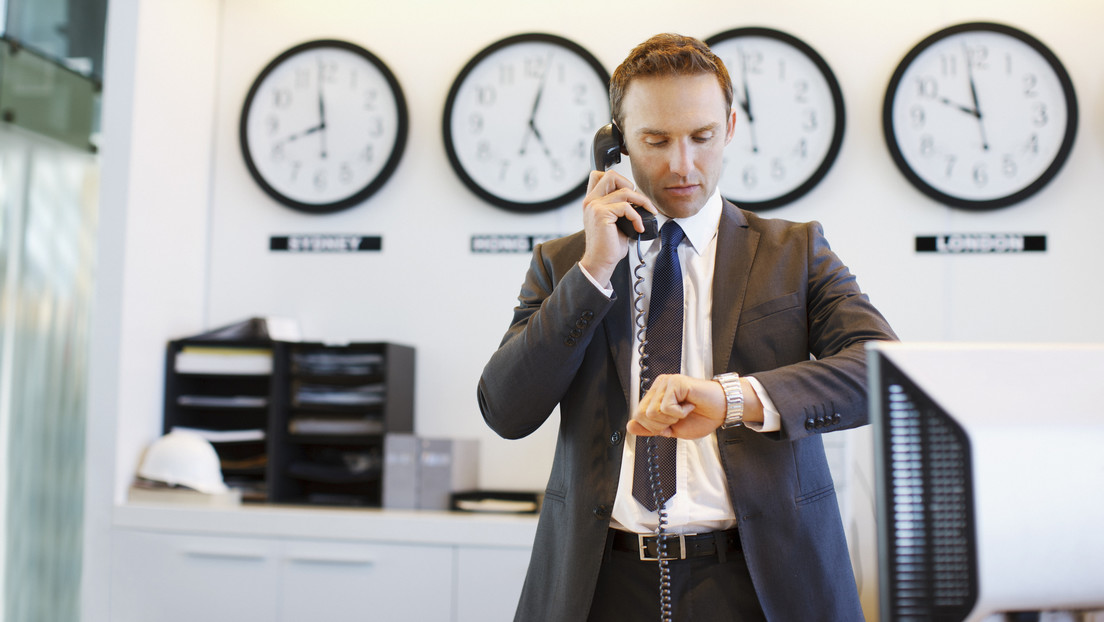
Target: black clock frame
x: 393, y: 159
x: 1032, y: 188
x: 837, y: 101
x: 454, y: 159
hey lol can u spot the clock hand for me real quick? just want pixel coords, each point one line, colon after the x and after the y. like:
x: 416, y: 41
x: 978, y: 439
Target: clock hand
x: 973, y: 93
x: 536, y: 105
x: 298, y: 135
x: 745, y: 103
x: 321, y: 113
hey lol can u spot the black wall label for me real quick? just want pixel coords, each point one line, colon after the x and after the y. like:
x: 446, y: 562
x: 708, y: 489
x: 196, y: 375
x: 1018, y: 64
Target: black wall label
x: 973, y: 243
x: 325, y: 243
x: 507, y: 243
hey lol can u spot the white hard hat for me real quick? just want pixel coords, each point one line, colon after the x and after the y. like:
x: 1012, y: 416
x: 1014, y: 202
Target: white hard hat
x: 183, y: 458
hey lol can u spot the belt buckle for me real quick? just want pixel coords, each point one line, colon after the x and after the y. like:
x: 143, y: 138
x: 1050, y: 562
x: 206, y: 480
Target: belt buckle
x: 643, y: 547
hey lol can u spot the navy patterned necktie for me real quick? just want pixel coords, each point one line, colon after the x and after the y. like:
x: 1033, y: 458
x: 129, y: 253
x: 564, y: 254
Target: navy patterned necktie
x: 663, y: 355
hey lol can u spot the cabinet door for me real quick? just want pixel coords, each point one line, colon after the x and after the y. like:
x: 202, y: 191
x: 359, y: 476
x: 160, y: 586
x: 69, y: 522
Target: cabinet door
x: 489, y: 583
x: 184, y: 578
x: 339, y: 582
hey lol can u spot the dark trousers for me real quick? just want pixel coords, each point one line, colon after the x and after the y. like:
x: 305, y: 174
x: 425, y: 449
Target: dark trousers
x: 704, y: 589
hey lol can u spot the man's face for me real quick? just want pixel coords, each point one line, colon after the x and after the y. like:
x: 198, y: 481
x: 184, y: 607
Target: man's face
x: 676, y: 129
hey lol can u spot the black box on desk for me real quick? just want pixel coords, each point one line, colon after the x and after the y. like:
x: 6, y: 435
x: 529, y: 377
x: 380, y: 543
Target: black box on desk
x: 422, y: 473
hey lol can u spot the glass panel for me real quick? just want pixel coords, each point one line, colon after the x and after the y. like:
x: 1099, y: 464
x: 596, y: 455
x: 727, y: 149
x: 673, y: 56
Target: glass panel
x: 39, y: 95
x: 48, y: 256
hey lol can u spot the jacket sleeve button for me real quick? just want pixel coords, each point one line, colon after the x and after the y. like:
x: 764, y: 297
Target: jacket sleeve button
x: 602, y: 512
x: 615, y: 438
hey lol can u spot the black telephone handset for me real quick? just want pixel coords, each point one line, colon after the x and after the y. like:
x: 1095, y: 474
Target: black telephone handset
x: 607, y: 152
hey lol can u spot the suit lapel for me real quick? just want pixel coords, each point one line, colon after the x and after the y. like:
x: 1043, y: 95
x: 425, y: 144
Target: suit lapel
x: 618, y: 324
x: 736, y: 244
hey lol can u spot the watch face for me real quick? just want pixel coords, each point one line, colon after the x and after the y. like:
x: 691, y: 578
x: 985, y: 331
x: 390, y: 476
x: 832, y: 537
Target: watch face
x: 980, y: 116
x: 520, y: 118
x: 789, y: 117
x: 323, y: 126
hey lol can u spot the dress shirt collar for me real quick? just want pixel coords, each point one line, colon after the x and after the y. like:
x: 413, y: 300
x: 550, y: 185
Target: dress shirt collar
x: 701, y: 227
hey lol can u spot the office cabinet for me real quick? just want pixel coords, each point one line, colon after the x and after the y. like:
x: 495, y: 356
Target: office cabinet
x: 222, y: 390
x: 290, y: 564
x: 332, y: 406
x: 293, y: 422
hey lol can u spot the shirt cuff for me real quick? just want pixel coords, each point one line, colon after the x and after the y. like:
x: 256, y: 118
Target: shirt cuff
x: 608, y: 291
x: 772, y: 419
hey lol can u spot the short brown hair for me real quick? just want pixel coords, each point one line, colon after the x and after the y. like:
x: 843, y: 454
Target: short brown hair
x: 666, y: 55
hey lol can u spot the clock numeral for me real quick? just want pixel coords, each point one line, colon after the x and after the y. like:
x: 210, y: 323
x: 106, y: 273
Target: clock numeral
x: 589, y: 123
x: 1033, y: 144
x: 371, y: 99
x: 1039, y: 115
x: 320, y: 179
x: 927, y: 145
x: 1008, y: 166
x: 530, y: 178
x: 505, y: 168
x: 948, y: 65
x: 978, y: 56
x: 916, y: 113
x: 778, y: 170
x: 376, y: 128
x: 475, y: 123
x: 533, y: 67
x: 752, y: 62
x: 750, y: 178
x: 485, y: 95
x: 981, y: 175
x: 558, y: 171
x: 294, y: 172
x: 345, y: 174
x: 951, y: 160
x: 1030, y: 82
x: 581, y: 93
x: 801, y: 91
x: 506, y: 75
x: 483, y: 151
x: 272, y: 122
x: 281, y: 97
x: 927, y: 87
x: 810, y: 124
x: 802, y: 149
x: 368, y: 153
x: 327, y: 72
x: 782, y: 71
x: 278, y: 153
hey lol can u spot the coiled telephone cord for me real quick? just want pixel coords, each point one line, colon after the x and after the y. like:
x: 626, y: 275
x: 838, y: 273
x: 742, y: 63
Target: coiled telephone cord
x: 665, y: 600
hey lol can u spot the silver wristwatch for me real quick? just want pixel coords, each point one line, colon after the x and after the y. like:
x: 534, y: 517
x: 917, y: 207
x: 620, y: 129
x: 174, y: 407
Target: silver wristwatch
x: 734, y: 399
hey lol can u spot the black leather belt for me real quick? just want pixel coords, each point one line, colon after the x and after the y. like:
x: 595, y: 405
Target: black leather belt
x: 678, y: 546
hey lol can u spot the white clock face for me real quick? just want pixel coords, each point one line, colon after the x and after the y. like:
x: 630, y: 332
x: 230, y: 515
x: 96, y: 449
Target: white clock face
x: 520, y: 120
x: 980, y: 116
x: 789, y: 117
x: 323, y: 126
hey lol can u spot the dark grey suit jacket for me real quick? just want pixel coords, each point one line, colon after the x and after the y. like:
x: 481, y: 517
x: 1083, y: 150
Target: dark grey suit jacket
x: 785, y: 309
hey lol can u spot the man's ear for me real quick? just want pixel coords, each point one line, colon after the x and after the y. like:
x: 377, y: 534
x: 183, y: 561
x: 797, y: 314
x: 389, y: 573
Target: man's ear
x: 730, y: 131
x: 620, y: 139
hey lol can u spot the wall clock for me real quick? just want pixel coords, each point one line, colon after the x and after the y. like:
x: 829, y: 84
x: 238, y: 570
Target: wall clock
x: 789, y: 117
x: 980, y: 116
x: 323, y: 126
x: 520, y: 118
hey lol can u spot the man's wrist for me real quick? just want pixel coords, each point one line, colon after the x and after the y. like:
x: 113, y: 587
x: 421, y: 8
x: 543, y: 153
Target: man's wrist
x: 734, y: 399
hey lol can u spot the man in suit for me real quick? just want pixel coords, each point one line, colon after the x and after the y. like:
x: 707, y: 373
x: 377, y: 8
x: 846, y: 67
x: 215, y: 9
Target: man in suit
x: 772, y: 356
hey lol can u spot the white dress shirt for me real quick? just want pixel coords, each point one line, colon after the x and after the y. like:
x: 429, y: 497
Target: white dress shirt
x: 701, y: 502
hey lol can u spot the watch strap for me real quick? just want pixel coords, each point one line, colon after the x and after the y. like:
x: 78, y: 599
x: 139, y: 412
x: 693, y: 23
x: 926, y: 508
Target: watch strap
x: 734, y: 399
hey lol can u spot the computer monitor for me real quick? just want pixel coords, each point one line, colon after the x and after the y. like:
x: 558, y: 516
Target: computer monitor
x: 989, y: 467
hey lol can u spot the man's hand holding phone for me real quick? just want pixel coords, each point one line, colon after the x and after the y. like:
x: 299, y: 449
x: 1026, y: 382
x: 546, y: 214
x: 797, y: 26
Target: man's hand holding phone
x: 610, y: 195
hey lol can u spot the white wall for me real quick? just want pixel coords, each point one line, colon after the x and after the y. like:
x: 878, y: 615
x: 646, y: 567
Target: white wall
x: 426, y: 289
x: 186, y: 230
